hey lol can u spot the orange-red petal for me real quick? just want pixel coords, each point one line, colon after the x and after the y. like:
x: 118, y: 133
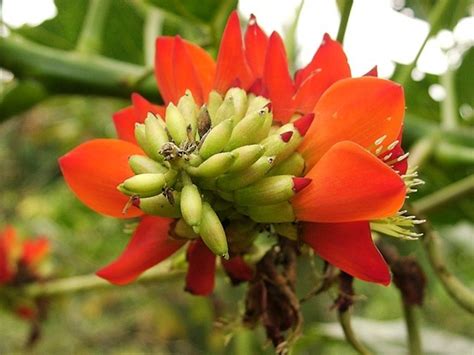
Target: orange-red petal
x: 277, y: 79
x: 7, y: 245
x: 204, y: 66
x: 35, y: 250
x: 94, y: 169
x: 349, y: 184
x: 362, y: 110
x: 149, y: 245
x: 349, y: 247
x: 164, y: 68
x: 256, y: 42
x: 311, y: 90
x: 329, y: 57
x: 237, y: 269
x: 200, y: 277
x: 231, y: 62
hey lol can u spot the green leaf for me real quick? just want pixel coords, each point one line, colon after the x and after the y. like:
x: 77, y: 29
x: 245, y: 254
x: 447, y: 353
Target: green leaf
x: 18, y: 96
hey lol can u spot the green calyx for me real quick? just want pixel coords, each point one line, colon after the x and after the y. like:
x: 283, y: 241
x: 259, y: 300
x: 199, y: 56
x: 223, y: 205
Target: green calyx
x: 215, y: 167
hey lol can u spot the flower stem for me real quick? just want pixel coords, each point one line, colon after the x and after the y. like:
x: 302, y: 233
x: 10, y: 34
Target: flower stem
x: 345, y: 13
x: 345, y: 321
x: 92, y: 282
x: 422, y: 149
x: 90, y: 39
x: 413, y: 329
x: 445, y: 195
x: 431, y: 242
x: 449, y: 111
x: 435, y: 17
x: 151, y: 30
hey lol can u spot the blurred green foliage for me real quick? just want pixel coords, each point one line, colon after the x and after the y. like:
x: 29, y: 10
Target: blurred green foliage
x: 162, y: 318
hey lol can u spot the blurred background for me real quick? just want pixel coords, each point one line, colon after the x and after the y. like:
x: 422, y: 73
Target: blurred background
x: 51, y: 100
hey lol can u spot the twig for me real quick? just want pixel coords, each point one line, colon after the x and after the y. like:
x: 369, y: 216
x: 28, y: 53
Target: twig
x: 345, y: 13
x: 90, y: 39
x: 449, y: 110
x: 413, y: 329
x: 345, y: 321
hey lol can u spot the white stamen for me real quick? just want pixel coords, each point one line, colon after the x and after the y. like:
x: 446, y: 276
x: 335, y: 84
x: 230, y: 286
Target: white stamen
x: 403, y: 157
x: 379, y: 150
x: 380, y: 140
x: 393, y: 145
x: 387, y: 157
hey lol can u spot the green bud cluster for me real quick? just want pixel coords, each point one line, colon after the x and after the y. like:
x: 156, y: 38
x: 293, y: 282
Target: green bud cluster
x: 221, y: 170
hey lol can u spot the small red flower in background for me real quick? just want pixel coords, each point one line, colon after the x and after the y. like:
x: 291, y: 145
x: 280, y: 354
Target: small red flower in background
x: 20, y: 261
x: 345, y: 147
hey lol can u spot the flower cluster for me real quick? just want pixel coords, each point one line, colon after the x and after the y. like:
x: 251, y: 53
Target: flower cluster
x: 20, y: 263
x: 242, y: 147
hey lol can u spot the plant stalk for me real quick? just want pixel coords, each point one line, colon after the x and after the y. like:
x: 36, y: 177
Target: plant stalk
x: 345, y: 321
x: 345, y: 14
x: 413, y: 329
x: 90, y: 39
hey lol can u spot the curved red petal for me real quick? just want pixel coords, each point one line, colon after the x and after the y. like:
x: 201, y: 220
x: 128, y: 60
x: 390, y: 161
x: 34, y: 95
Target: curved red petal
x: 372, y: 72
x: 362, y: 110
x: 349, y: 247
x: 311, y: 90
x: 202, y: 268
x: 256, y: 42
x: 142, y: 107
x: 329, y: 57
x: 164, y: 68
x: 94, y: 169
x: 149, y: 245
x: 237, y: 270
x: 204, y: 67
x: 349, y: 184
x: 231, y: 62
x: 277, y: 79
x: 8, y: 243
x: 35, y: 250
x: 185, y: 77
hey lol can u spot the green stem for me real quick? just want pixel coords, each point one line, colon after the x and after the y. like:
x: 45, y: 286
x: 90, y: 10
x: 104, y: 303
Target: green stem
x: 90, y: 39
x: 449, y: 193
x: 345, y: 13
x: 92, y: 282
x: 421, y: 150
x: 454, y: 153
x: 436, y: 16
x: 151, y: 30
x: 449, y: 110
x: 345, y: 321
x: 19, y: 96
x: 431, y: 242
x: 413, y: 329
x: 69, y: 72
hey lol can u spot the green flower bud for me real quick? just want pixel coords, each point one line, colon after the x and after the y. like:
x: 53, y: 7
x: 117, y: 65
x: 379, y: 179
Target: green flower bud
x: 156, y: 136
x: 191, y: 204
x: 293, y: 165
x: 246, y: 177
x: 248, y: 130
x: 270, y: 190
x: 239, y: 97
x: 287, y: 230
x: 212, y: 232
x: 160, y: 205
x: 213, y: 103
x: 225, y: 111
x: 144, y: 185
x: 176, y: 124
x: 188, y: 108
x: 277, y: 213
x: 180, y: 229
x: 140, y: 136
x: 214, y: 166
x: 246, y: 156
x: 141, y: 164
x: 226, y: 195
x: 216, y: 139
x: 256, y: 103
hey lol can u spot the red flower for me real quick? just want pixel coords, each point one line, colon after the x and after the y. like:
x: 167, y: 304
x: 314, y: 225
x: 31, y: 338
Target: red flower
x: 341, y: 148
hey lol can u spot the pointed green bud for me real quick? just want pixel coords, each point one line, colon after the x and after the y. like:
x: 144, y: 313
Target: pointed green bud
x: 293, y: 165
x: 226, y: 195
x: 239, y: 97
x: 141, y: 164
x: 203, y: 121
x: 213, y: 103
x: 246, y: 177
x: 144, y: 185
x: 277, y: 213
x: 156, y: 136
x: 287, y: 230
x: 194, y: 160
x: 140, y: 136
x: 216, y: 165
x: 160, y: 205
x: 191, y: 204
x: 256, y: 103
x: 212, y: 232
x: 248, y: 130
x: 176, y: 124
x: 181, y: 230
x: 216, y: 140
x: 270, y: 190
x: 246, y: 156
x: 267, y: 125
x: 225, y: 111
x: 188, y: 108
